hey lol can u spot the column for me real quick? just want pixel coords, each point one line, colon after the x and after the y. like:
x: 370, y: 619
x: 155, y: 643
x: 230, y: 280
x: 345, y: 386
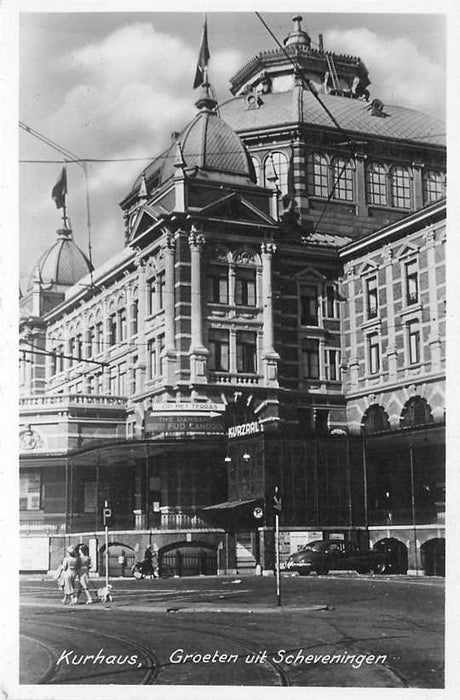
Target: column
x: 417, y: 185
x: 434, y: 339
x: 170, y: 355
x: 198, y: 353
x: 269, y: 356
x: 391, y: 351
x: 361, y: 204
x: 353, y: 362
x: 142, y: 349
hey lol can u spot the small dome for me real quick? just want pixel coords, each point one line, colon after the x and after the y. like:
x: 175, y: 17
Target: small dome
x: 207, y: 143
x: 62, y: 264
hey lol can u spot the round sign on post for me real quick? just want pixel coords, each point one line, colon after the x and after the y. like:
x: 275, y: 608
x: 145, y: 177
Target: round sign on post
x: 258, y: 513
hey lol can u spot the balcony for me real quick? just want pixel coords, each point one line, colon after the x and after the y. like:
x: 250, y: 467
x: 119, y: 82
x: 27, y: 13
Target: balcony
x: 87, y: 522
x: 55, y: 402
x: 234, y: 378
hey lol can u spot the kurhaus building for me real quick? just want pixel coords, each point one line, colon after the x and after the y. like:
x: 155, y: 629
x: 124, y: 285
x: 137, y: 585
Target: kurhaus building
x: 275, y: 318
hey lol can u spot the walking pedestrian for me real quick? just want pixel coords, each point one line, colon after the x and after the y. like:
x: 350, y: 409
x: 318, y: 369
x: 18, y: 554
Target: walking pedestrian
x: 84, y: 565
x: 70, y: 565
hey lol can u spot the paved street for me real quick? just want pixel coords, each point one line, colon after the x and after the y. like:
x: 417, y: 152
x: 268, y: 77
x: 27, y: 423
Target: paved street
x: 337, y: 630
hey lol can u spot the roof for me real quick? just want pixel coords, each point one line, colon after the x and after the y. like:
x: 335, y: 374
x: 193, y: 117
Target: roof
x: 63, y: 263
x: 301, y: 106
x: 207, y: 143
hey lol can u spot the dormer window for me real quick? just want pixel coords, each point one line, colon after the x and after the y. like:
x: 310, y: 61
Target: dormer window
x: 434, y: 186
x: 400, y: 186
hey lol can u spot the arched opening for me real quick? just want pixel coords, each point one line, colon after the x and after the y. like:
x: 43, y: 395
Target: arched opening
x: 396, y: 552
x: 433, y: 554
x: 415, y: 412
x: 188, y: 559
x: 375, y: 420
x: 121, y: 559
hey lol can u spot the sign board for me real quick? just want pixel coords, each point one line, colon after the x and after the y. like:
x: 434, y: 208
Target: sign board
x: 300, y: 538
x: 34, y: 553
x: 206, y: 425
x: 250, y: 428
x: 336, y: 536
x: 180, y: 408
x: 92, y: 545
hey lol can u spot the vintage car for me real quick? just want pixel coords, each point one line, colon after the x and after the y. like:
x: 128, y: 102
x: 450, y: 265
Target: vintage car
x: 323, y: 556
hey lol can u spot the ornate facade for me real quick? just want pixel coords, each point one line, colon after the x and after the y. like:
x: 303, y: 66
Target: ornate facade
x: 246, y: 336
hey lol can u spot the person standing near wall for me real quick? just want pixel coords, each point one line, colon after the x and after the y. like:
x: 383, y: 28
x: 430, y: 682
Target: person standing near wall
x: 70, y: 567
x: 84, y: 565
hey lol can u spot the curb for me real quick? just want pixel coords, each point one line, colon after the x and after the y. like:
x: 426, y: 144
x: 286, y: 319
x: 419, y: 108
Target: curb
x: 245, y: 609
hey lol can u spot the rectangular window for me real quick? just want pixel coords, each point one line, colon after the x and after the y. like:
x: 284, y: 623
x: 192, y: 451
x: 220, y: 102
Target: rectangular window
x: 134, y: 317
x: 318, y: 175
x: 376, y: 183
x: 413, y: 341
x: 400, y: 188
x: 90, y: 341
x: 122, y: 325
x: 60, y: 362
x: 134, y: 376
x: 113, y: 381
x: 90, y: 385
x: 30, y: 488
x: 332, y: 365
x: 218, y: 287
x: 160, y: 290
x: 246, y: 351
x: 71, y: 351
x: 309, y: 306
x: 122, y: 379
x: 53, y: 362
x: 100, y: 383
x: 330, y: 301
x: 219, y: 350
x: 155, y: 351
x: 411, y: 282
x: 151, y: 292
x: 79, y: 346
x: 112, y: 329
x: 373, y: 353
x: 245, y: 287
x: 310, y: 358
x: 371, y: 297
x: 342, y: 174
x: 160, y: 348
x: 99, y: 337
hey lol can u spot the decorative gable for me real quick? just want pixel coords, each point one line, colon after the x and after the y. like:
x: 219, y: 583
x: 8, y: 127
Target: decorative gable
x: 234, y: 207
x: 368, y: 268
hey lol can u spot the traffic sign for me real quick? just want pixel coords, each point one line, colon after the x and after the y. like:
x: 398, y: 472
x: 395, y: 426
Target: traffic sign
x: 258, y: 512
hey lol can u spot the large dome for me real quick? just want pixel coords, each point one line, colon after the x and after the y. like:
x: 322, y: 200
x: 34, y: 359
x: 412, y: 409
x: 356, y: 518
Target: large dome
x: 208, y: 143
x: 62, y: 264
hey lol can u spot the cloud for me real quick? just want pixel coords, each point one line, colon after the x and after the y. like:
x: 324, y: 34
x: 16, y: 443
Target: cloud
x: 400, y: 74
x: 121, y: 97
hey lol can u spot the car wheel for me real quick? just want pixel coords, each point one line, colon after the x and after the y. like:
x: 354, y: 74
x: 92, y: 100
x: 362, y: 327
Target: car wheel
x: 363, y: 570
x: 304, y: 573
x: 322, y: 571
x: 380, y: 568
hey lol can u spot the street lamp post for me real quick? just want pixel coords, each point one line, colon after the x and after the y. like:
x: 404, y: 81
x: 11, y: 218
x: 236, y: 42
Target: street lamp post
x: 412, y: 496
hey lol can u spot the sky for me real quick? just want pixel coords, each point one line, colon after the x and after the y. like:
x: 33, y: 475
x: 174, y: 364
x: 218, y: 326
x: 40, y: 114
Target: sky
x: 114, y: 85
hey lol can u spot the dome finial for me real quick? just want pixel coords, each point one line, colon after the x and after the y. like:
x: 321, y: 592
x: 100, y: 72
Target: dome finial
x: 298, y: 35
x: 206, y: 101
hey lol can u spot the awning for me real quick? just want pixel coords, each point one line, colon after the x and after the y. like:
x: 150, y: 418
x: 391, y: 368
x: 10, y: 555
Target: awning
x: 231, y: 505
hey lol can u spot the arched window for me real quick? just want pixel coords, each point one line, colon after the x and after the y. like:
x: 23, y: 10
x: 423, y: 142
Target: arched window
x: 434, y: 186
x: 376, y: 184
x: 400, y: 188
x: 375, y: 420
x: 415, y: 412
x: 317, y: 172
x: 343, y: 179
x: 278, y: 163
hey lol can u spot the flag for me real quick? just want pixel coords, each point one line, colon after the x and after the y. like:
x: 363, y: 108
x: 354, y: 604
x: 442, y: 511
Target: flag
x: 203, y: 58
x: 276, y: 503
x: 59, y: 190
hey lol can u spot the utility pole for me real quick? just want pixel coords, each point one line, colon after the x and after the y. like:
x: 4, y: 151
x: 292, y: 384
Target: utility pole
x: 277, y: 510
x: 107, y: 514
